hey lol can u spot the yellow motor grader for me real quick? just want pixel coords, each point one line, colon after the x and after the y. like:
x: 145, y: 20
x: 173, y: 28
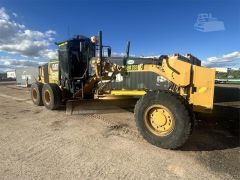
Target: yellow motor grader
x: 164, y: 116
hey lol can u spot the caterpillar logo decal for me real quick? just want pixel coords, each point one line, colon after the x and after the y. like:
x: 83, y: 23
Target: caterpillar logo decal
x: 54, y: 67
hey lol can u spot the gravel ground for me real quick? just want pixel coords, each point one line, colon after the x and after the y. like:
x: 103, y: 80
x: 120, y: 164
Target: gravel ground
x: 41, y: 144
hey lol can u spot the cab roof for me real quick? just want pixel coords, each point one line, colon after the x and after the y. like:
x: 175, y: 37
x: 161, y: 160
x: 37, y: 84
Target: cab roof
x: 76, y: 37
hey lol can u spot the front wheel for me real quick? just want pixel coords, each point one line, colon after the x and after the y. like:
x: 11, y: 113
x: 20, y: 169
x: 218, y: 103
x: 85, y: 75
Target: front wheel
x: 163, y: 119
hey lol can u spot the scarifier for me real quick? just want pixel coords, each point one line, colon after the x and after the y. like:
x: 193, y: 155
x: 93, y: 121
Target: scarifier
x: 164, y: 116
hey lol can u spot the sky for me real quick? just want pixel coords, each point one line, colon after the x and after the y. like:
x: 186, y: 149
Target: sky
x: 29, y: 28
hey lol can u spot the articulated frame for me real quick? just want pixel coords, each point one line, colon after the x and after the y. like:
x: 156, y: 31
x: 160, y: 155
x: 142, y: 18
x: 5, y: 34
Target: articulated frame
x: 195, y: 83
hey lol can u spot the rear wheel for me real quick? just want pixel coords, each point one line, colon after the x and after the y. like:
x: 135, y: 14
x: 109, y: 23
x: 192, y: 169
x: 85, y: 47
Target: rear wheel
x: 52, y: 96
x: 36, y: 93
x: 163, y: 119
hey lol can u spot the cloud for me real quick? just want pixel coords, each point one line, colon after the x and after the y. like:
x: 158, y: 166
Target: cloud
x: 14, y: 14
x: 7, y: 63
x: 49, y: 53
x: 20, y: 63
x: 15, y: 38
x: 227, y: 60
x: 117, y: 54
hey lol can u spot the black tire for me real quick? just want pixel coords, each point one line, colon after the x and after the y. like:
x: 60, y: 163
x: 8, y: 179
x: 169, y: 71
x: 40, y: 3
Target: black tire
x: 51, y: 96
x: 181, y: 116
x: 36, y: 93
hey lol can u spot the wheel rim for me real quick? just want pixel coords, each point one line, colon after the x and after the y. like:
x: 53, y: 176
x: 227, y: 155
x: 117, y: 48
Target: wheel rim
x: 34, y: 94
x: 159, y: 120
x: 47, y: 97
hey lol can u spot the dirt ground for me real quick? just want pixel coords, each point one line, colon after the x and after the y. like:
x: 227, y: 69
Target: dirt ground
x: 39, y: 144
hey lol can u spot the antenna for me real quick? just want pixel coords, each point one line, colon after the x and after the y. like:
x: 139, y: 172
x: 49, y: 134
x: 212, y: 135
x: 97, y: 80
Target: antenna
x: 100, y: 51
x: 128, y: 49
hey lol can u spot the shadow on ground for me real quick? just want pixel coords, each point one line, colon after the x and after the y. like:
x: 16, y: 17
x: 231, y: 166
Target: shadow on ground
x: 215, y: 132
x: 220, y: 129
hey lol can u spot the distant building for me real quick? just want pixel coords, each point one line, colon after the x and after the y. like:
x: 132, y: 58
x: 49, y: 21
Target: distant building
x: 11, y: 74
x: 221, y: 69
x: 234, y: 69
x: 26, y: 75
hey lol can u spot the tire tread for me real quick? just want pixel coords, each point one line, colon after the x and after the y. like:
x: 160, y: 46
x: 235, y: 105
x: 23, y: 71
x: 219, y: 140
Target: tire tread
x: 178, y: 102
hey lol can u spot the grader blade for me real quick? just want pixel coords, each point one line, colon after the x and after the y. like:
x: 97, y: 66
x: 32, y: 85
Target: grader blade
x: 75, y: 107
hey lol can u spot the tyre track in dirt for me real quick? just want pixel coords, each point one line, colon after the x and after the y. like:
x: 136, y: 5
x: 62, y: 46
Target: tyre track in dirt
x: 51, y: 145
x: 118, y: 129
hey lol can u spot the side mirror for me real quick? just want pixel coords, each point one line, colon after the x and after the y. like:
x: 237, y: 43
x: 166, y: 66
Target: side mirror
x: 109, y: 51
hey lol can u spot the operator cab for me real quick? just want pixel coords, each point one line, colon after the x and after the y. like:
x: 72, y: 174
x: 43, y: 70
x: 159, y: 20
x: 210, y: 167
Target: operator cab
x: 74, y: 55
x: 74, y: 58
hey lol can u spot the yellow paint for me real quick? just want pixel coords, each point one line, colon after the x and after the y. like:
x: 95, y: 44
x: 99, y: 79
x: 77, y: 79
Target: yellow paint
x: 187, y: 77
x: 127, y: 92
x: 62, y: 44
x: 54, y: 62
x: 132, y: 67
x: 174, y: 70
x: 193, y: 82
x: 203, y: 93
x: 47, y: 97
x: 41, y: 74
x: 202, y: 90
x: 159, y: 120
x: 53, y: 71
x: 34, y: 94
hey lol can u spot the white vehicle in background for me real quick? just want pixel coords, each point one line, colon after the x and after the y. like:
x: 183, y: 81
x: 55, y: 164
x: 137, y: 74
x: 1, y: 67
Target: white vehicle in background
x: 11, y: 74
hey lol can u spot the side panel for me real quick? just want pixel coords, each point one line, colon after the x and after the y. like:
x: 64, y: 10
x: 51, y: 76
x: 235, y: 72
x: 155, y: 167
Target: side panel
x: 177, y: 71
x: 63, y: 57
x: 173, y: 69
x: 43, y: 73
x: 53, y: 71
x: 202, y: 93
x: 138, y: 81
